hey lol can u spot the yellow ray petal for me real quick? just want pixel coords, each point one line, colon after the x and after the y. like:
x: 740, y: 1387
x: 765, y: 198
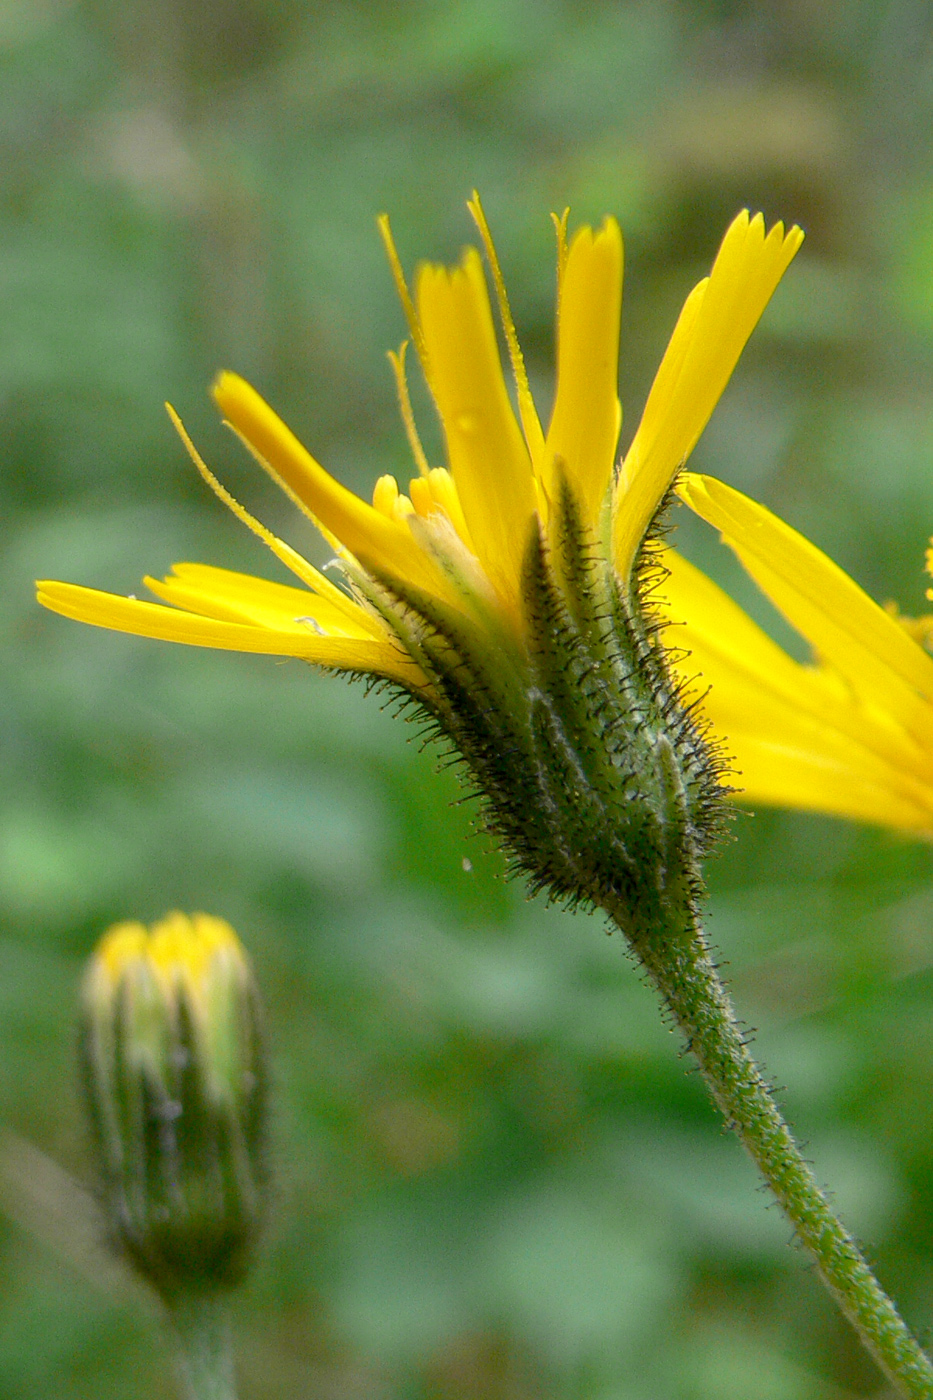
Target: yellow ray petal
x: 488, y: 457
x: 292, y: 560
x: 234, y: 597
x: 721, y: 636
x: 773, y: 771
x: 665, y: 382
x: 798, y: 755
x: 560, y: 222
x: 397, y: 361
x: 374, y: 540
x: 719, y: 317
x: 385, y: 496
x: 419, y: 493
x: 444, y: 494
x: 716, y: 631
x: 798, y: 737
x: 531, y: 424
x: 821, y: 737
x: 404, y: 296
x: 879, y: 660
x: 171, y: 625
x: 389, y: 501
x: 585, y: 424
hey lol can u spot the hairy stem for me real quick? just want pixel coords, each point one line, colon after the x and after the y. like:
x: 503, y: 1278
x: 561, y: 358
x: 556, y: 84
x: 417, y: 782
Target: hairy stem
x: 202, y: 1325
x: 684, y: 973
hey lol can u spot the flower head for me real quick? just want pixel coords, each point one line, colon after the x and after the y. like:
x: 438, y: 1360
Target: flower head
x: 849, y: 734
x: 174, y: 1074
x: 502, y: 591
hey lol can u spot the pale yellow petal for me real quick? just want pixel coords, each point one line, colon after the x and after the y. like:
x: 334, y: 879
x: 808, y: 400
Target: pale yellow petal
x: 488, y: 458
x: 372, y: 538
x: 300, y: 640
x: 717, y: 320
x: 584, y: 427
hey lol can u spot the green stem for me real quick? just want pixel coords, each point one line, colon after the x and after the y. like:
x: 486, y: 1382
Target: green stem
x: 202, y: 1325
x: 685, y: 975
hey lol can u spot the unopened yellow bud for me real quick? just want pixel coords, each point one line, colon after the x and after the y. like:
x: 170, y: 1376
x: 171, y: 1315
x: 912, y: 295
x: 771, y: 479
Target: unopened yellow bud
x: 174, y: 1070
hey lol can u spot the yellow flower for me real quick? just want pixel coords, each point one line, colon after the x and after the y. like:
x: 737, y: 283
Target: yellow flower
x: 175, y: 1080
x: 460, y: 535
x: 850, y: 734
x: 504, y: 591
x: 194, y: 962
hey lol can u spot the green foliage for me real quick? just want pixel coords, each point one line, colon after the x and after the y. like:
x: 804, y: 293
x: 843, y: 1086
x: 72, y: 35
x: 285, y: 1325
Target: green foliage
x: 497, y: 1176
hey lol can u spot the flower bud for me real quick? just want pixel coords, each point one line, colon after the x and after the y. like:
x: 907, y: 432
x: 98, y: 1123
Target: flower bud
x: 175, y: 1079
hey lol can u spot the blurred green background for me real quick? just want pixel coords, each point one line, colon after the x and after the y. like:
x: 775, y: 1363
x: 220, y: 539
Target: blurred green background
x: 497, y: 1176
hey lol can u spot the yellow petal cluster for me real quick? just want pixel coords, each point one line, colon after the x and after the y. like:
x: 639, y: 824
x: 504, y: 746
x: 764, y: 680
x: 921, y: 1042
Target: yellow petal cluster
x: 850, y: 734
x: 175, y: 1082
x: 196, y: 959
x: 459, y: 537
x: 178, y: 952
